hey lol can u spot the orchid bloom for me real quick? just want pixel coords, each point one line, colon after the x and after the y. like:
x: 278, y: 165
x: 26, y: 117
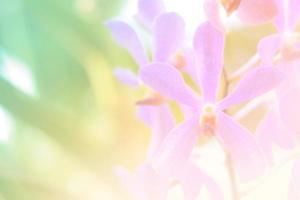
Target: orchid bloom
x: 209, y: 116
x: 148, y: 10
x: 285, y: 111
x: 287, y: 40
x: 166, y: 44
x: 280, y: 125
x: 145, y: 183
x: 248, y: 11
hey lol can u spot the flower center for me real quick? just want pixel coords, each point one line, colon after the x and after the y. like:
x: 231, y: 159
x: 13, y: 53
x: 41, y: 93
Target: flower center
x: 179, y: 61
x: 208, y: 119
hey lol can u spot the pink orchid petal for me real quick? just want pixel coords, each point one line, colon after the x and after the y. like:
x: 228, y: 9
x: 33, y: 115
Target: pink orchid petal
x: 272, y: 130
x: 280, y: 19
x: 161, y: 120
x: 167, y: 80
x: 257, y: 11
x: 148, y: 10
x: 289, y: 107
x: 293, y: 13
x: 246, y: 155
x: 145, y: 183
x: 176, y: 148
x: 128, y: 39
x: 209, y: 48
x: 193, y: 179
x: 169, y: 30
x: 255, y: 83
x: 294, y: 191
x: 268, y: 47
x: 281, y: 135
x: 212, y: 12
x: 286, y: 20
x: 126, y: 76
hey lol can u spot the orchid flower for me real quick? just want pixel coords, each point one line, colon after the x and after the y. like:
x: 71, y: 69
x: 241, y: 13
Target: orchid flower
x: 209, y: 115
x: 256, y: 11
x: 280, y: 126
x: 286, y: 41
x: 148, y: 10
x: 248, y: 11
x: 145, y: 183
x: 166, y: 44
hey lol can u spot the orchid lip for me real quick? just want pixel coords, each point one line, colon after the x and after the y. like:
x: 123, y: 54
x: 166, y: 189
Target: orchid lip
x: 208, y: 118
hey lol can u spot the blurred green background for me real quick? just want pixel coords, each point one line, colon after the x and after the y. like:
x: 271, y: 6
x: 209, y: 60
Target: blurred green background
x: 65, y: 121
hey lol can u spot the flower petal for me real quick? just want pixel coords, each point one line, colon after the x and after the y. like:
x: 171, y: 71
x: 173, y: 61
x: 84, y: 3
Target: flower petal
x: 280, y: 19
x: 148, y: 10
x: 194, y: 179
x: 294, y: 192
x: 169, y: 30
x: 268, y: 46
x: 209, y: 47
x: 212, y: 12
x: 246, y: 155
x: 272, y: 130
x: 281, y: 135
x: 293, y: 13
x: 289, y: 108
x: 255, y: 83
x: 167, y: 80
x: 257, y: 11
x: 175, y: 150
x: 126, y: 76
x: 128, y: 39
x: 288, y: 15
x: 161, y: 120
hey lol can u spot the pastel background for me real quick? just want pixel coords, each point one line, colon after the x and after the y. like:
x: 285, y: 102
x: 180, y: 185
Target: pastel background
x: 65, y: 121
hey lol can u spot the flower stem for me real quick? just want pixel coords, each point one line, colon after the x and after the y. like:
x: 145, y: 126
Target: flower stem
x: 228, y: 162
x: 232, y: 177
x: 252, y: 62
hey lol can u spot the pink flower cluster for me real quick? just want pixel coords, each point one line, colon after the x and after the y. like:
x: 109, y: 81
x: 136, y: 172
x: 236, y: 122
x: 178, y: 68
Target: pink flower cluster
x: 273, y: 83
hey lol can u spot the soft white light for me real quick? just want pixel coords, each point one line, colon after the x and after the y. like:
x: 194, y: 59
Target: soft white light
x: 16, y: 72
